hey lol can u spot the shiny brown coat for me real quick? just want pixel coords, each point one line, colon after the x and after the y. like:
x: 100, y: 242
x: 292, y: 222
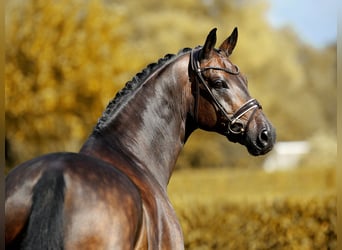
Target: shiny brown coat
x: 113, y: 193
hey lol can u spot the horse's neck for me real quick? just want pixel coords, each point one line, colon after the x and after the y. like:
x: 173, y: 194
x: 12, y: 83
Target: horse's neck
x: 150, y: 127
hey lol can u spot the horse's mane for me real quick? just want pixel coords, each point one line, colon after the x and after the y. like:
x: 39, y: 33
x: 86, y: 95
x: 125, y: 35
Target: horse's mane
x: 133, y: 84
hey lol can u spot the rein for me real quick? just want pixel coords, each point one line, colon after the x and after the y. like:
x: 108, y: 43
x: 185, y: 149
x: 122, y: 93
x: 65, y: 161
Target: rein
x: 234, y: 126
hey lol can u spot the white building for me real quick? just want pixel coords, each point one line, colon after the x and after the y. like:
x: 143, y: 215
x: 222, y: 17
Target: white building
x: 286, y: 155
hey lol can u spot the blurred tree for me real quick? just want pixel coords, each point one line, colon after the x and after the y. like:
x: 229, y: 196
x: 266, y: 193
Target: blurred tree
x: 62, y: 60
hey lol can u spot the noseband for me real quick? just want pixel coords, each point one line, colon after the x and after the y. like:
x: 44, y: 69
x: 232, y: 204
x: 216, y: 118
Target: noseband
x: 234, y: 125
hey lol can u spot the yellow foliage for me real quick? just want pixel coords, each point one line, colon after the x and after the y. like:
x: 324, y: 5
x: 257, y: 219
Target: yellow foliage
x: 251, y: 209
x: 62, y: 62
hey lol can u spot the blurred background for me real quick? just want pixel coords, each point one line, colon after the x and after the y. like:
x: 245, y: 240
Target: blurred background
x: 65, y: 60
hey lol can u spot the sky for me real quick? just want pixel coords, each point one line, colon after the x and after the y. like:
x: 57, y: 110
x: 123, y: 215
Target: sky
x: 315, y: 21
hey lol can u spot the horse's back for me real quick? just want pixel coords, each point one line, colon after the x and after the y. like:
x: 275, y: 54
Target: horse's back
x: 101, y: 204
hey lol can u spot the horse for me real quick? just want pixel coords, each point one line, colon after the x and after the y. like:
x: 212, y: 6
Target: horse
x: 112, y: 194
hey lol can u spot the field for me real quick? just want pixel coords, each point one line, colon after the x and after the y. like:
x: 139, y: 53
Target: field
x: 251, y: 209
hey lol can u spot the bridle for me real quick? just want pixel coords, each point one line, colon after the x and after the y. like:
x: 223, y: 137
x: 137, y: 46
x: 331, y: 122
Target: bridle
x: 233, y: 124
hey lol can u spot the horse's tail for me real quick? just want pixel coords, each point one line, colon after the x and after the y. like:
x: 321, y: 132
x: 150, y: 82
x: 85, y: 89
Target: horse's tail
x: 45, y: 225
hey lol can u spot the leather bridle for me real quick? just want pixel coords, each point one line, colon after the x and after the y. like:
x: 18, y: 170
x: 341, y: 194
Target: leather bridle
x: 233, y: 124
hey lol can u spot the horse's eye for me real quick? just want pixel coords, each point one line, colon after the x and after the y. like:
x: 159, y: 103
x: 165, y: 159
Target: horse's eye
x: 220, y: 84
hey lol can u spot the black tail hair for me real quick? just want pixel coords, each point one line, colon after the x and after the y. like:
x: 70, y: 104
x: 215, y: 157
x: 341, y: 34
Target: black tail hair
x: 45, y: 225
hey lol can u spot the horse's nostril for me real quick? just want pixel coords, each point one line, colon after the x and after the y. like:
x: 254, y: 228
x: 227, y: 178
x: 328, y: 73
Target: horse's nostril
x: 263, y: 138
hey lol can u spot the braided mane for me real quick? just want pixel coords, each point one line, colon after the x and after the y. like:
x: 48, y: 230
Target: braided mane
x: 133, y: 84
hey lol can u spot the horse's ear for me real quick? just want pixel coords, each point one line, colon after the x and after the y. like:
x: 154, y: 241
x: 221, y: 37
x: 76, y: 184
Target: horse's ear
x: 229, y: 44
x: 209, y: 44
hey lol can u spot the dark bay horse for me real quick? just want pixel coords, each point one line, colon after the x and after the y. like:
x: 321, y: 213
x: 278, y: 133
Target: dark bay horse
x: 112, y: 194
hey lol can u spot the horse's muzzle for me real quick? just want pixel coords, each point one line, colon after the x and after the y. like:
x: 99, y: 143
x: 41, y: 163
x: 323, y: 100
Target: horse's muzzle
x: 263, y: 143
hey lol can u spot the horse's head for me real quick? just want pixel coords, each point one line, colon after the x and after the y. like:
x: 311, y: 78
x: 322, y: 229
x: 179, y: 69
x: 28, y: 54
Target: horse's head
x: 222, y: 101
